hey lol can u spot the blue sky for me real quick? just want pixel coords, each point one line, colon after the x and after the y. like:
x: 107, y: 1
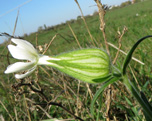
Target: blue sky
x: 35, y: 13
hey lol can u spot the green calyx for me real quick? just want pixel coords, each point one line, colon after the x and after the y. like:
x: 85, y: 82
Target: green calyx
x: 88, y: 65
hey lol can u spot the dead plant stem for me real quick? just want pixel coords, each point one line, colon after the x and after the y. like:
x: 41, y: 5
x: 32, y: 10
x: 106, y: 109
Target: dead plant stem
x: 119, y: 42
x: 49, y: 44
x: 102, y: 13
x: 13, y: 35
x: 133, y: 58
x: 36, y: 39
x: 85, y: 23
x: 74, y: 36
x: 6, y: 110
x: 15, y: 114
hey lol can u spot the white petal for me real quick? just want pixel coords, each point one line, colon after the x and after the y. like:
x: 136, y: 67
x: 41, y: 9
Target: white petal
x: 21, y: 76
x: 20, y: 53
x: 19, y: 66
x: 43, y: 60
x: 24, y: 44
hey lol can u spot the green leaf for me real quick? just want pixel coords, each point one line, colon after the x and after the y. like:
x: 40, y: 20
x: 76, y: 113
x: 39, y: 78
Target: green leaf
x: 110, y: 81
x: 134, y: 109
x: 145, y: 100
x: 146, y: 116
x: 129, y: 55
x: 145, y: 86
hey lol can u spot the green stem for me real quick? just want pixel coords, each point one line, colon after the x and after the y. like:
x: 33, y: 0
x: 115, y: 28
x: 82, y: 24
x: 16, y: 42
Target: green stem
x: 135, y: 93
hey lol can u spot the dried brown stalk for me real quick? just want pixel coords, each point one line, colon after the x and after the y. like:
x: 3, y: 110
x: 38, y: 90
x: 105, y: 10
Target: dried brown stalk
x: 49, y: 44
x: 15, y: 111
x: 85, y: 23
x: 6, y: 110
x: 36, y: 40
x: 74, y: 36
x: 108, y: 102
x: 77, y: 101
x: 102, y: 13
x: 133, y: 58
x: 89, y: 90
x: 13, y: 35
x: 119, y: 42
x: 26, y: 107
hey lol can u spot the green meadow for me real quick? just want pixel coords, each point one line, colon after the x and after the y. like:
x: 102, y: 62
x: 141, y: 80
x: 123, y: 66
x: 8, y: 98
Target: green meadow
x: 22, y: 100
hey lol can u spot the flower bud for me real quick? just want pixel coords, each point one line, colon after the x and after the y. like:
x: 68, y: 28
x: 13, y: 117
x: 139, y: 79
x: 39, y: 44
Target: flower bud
x: 88, y: 65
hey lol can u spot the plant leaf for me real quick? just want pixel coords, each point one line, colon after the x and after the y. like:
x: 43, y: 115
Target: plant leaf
x: 129, y: 55
x: 110, y: 81
x: 145, y: 100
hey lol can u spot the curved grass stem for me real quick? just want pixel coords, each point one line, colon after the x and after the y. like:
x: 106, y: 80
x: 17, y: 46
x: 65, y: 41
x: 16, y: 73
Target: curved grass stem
x: 129, y: 55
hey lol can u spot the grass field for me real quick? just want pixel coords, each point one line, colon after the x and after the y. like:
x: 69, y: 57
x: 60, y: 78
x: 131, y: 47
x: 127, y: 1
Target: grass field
x: 27, y: 100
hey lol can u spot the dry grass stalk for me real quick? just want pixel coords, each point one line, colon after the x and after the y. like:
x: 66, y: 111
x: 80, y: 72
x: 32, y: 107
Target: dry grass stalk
x: 85, y: 23
x: 2, y: 118
x: 108, y: 102
x: 89, y: 90
x: 26, y: 107
x: 48, y: 115
x: 115, y: 119
x: 15, y: 114
x: 102, y: 13
x: 13, y: 35
x: 49, y: 44
x: 45, y: 112
x: 114, y: 61
x: 125, y: 53
x: 6, y: 110
x: 74, y: 36
x: 45, y: 71
x: 16, y: 23
x: 119, y: 42
x: 36, y: 40
x: 78, y: 97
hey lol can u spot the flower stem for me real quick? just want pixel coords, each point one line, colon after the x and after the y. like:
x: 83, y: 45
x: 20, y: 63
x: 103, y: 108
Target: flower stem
x: 135, y: 93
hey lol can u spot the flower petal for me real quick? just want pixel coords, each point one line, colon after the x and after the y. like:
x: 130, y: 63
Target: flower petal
x: 20, y: 53
x: 19, y: 66
x: 43, y: 60
x: 24, y: 44
x: 21, y: 76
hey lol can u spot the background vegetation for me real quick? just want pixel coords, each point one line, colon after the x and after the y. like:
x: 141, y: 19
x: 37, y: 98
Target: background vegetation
x: 48, y: 92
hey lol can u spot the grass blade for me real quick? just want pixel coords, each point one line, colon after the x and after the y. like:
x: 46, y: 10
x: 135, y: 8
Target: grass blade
x: 129, y: 55
x: 110, y: 81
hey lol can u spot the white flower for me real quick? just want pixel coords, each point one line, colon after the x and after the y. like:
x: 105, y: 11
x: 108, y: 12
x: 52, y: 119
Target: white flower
x: 89, y: 65
x: 25, y: 51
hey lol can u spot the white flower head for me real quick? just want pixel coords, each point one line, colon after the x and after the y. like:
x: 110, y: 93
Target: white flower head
x: 88, y: 65
x: 24, y: 51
